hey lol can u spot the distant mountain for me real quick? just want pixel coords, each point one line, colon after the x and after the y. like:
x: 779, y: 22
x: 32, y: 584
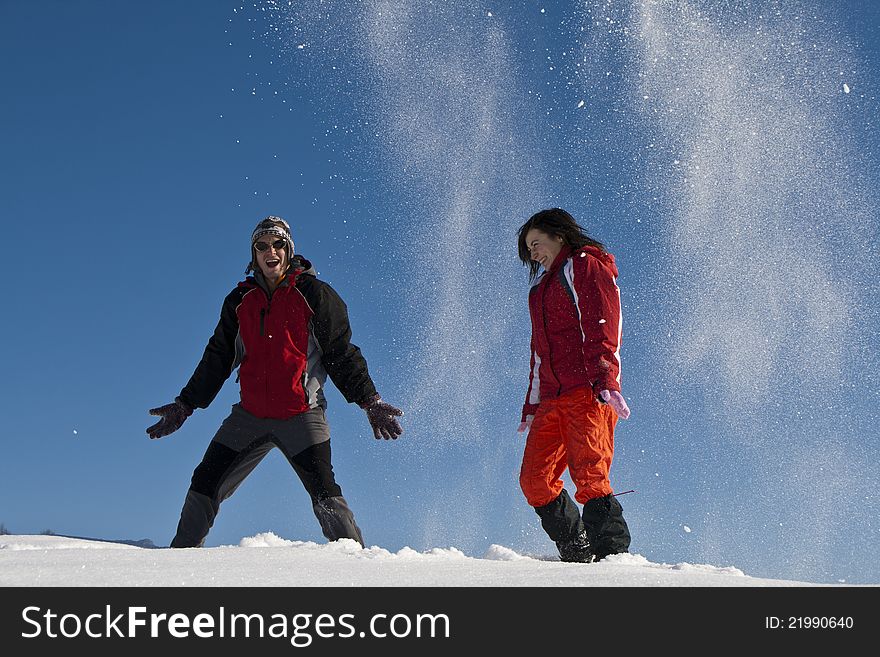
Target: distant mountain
x: 143, y: 542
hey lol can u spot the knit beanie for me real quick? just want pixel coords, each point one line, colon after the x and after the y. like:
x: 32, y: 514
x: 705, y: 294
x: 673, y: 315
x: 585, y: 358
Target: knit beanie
x: 271, y: 225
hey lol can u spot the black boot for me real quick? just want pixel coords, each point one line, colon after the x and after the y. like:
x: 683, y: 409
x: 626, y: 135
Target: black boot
x: 606, y: 529
x: 577, y: 550
x: 336, y: 519
x: 561, y: 520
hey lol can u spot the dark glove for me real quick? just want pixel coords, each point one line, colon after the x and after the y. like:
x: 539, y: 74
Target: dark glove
x: 173, y: 416
x: 382, y: 418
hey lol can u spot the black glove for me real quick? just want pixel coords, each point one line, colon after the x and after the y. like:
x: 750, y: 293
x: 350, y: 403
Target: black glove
x: 382, y: 418
x: 173, y: 416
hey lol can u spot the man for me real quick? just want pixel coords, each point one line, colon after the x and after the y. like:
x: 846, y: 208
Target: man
x: 286, y: 331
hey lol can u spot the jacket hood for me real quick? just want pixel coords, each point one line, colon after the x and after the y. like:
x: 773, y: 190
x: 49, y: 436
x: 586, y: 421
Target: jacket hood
x: 304, y: 266
x: 604, y: 257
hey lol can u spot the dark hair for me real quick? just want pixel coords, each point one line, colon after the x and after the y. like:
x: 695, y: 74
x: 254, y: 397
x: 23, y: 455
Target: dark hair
x: 555, y: 222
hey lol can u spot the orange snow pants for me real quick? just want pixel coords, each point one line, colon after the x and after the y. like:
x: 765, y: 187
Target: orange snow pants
x: 573, y: 431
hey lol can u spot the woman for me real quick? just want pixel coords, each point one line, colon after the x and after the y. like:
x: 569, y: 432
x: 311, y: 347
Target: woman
x: 573, y: 400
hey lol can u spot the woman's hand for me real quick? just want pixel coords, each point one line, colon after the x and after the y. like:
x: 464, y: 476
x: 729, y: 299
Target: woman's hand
x: 616, y: 401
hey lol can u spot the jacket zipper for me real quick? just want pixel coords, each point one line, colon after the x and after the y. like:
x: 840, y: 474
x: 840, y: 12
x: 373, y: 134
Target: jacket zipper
x: 264, y: 312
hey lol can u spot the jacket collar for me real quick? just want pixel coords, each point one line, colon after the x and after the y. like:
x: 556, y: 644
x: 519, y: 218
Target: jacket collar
x: 561, y: 257
x: 299, y: 266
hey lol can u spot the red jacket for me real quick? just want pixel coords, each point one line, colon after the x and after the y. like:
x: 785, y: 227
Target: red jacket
x: 576, y: 326
x: 284, y: 346
x: 276, y: 338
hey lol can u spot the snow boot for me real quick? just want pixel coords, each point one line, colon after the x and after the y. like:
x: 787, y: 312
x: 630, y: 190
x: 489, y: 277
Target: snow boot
x: 607, y: 531
x: 561, y: 519
x: 576, y: 550
x: 336, y: 519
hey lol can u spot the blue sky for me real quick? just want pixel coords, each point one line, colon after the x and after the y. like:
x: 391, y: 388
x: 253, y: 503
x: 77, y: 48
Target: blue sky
x: 728, y: 158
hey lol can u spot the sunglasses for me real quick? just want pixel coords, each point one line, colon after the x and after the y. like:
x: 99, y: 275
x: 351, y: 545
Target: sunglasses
x: 264, y: 246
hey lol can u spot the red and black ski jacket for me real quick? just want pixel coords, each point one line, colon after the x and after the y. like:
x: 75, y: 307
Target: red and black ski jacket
x: 576, y: 327
x: 284, y: 344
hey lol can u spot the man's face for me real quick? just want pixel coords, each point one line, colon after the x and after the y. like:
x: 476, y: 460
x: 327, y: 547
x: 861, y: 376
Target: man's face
x: 272, y: 256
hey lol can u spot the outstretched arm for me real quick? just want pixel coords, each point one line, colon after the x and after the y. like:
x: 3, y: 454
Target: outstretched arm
x: 344, y: 362
x: 206, y: 381
x: 218, y: 359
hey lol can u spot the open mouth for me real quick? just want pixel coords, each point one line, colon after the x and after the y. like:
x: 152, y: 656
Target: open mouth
x: 271, y: 264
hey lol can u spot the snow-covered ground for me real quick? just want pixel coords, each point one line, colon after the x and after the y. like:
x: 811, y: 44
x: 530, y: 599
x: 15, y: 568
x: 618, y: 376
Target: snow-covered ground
x: 268, y: 560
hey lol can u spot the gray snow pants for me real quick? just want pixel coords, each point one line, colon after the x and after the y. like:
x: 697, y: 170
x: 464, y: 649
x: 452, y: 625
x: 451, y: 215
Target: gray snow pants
x: 241, y: 442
